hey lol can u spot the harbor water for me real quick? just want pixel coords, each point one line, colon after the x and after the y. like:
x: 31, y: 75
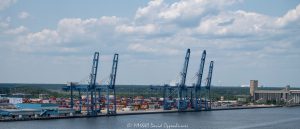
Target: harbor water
x: 265, y: 118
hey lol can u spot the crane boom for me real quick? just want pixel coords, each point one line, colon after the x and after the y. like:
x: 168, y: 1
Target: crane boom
x: 209, y: 77
x: 114, y: 72
x: 200, y: 72
x: 93, y: 74
x: 185, y: 68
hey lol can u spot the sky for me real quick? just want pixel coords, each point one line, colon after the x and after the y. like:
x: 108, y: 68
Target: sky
x: 53, y: 41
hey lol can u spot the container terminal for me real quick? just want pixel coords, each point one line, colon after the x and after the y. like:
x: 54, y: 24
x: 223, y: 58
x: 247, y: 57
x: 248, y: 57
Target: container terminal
x: 94, y: 100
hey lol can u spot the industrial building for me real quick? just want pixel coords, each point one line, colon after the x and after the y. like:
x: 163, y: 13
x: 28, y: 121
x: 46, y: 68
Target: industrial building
x: 283, y: 96
x: 30, y: 110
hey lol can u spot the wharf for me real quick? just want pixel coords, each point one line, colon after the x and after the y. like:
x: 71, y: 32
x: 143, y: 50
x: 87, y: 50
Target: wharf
x: 137, y: 113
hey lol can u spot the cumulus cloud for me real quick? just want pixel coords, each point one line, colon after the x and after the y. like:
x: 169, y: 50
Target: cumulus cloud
x: 23, y: 15
x: 235, y: 23
x: 18, y: 30
x: 290, y: 17
x: 6, y: 3
x: 141, y: 48
x: 69, y: 36
x: 145, y: 29
x: 192, y: 8
x: 7, y: 29
x: 182, y: 13
x: 164, y: 28
x: 4, y: 23
x: 150, y: 11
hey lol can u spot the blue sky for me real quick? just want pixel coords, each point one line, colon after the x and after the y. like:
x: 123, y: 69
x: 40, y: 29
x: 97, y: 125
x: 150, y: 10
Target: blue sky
x: 53, y: 41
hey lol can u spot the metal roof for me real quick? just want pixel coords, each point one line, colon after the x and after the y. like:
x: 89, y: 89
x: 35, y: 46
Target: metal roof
x: 271, y: 91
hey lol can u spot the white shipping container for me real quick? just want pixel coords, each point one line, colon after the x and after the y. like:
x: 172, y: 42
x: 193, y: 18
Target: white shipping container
x: 45, y: 101
x: 15, y: 100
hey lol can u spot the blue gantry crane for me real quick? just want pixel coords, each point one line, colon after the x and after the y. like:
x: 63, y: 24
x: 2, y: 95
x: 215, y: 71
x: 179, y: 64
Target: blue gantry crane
x: 197, y: 87
x: 92, y: 88
x: 73, y: 86
x: 168, y: 91
x: 208, y: 86
x: 168, y: 94
x: 92, y: 85
x: 182, y: 89
x: 111, y: 86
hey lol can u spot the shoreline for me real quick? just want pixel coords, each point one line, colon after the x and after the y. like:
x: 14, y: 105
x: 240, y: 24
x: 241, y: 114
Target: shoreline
x: 138, y: 113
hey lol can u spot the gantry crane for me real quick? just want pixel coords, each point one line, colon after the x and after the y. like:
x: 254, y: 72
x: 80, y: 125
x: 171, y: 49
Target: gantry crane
x: 182, y: 89
x: 92, y: 85
x: 92, y: 88
x: 197, y: 86
x: 111, y: 86
x: 208, y: 86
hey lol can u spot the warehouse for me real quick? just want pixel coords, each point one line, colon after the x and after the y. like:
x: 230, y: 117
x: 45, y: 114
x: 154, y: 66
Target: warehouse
x: 285, y: 95
x: 26, y: 110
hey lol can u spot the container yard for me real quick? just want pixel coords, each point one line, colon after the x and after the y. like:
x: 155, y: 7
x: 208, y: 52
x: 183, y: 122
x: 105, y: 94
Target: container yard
x: 61, y: 108
x: 94, y: 100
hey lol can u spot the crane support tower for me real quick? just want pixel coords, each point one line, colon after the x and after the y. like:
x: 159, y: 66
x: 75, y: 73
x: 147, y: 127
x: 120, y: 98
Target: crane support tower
x: 197, y: 86
x: 111, y: 87
x: 182, y: 90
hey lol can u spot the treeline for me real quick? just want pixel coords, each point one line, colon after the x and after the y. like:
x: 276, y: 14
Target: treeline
x: 55, y: 90
x: 30, y: 92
